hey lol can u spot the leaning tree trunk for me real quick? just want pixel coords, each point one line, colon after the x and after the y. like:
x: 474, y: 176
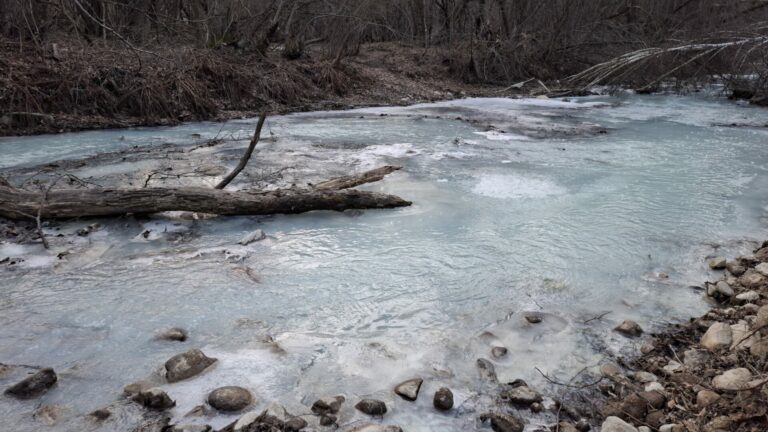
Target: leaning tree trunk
x: 333, y: 194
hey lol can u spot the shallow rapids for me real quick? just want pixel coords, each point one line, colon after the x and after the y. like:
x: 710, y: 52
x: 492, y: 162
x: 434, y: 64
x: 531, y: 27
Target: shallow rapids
x: 571, y: 208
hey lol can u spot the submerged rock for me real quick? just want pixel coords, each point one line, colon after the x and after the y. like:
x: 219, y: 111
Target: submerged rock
x: 409, y: 390
x: 498, y: 352
x: 176, y: 334
x: 154, y: 398
x: 186, y: 365
x: 487, y: 370
x: 443, y: 400
x: 133, y: 389
x: 328, y: 405
x: 251, y: 237
x: 374, y: 428
x: 503, y: 422
x: 372, y: 407
x: 189, y: 428
x: 100, y: 414
x: 49, y: 414
x: 230, y: 398
x: 629, y: 328
x: 34, y: 385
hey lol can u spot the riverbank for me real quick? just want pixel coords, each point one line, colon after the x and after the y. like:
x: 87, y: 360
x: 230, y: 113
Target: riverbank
x: 81, y: 86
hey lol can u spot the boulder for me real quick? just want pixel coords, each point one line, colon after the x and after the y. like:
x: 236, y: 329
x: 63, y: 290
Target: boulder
x: 717, y: 263
x: 372, y: 407
x: 705, y: 398
x: 752, y: 279
x: 487, y: 370
x: 629, y: 328
x: 409, y: 390
x: 230, y: 398
x: 328, y: 405
x: 615, y: 424
x: 734, y: 379
x: 34, y: 385
x: 718, y: 336
x: 762, y: 268
x: 176, y: 334
x: 443, y: 400
x: 503, y: 422
x: 522, y: 395
x: 735, y: 268
x: 748, y: 296
x: 154, y: 398
x: 761, y: 255
x: 186, y: 365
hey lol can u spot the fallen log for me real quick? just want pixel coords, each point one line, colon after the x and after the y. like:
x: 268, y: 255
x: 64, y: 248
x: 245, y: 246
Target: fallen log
x: 333, y: 194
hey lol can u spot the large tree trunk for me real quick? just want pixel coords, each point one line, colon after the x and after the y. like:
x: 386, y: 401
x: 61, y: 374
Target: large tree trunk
x: 68, y: 203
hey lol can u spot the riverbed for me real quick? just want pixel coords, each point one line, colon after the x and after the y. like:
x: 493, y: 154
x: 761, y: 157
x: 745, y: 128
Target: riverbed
x: 586, y: 211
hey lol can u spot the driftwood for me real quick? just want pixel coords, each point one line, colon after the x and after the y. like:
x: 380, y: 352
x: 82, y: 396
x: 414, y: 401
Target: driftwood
x: 333, y: 194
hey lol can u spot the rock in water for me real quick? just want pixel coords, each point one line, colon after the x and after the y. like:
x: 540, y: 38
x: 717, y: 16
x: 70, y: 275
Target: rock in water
x: 498, y: 352
x: 186, y: 365
x: 503, y: 422
x: 374, y: 428
x: 615, y: 424
x: 717, y: 263
x: 33, y: 386
x: 49, y: 414
x: 487, y: 370
x: 189, y: 428
x: 409, y: 390
x: 176, y: 334
x: 629, y: 328
x: 372, y: 407
x: 230, y: 398
x: 328, y: 405
x: 521, y: 395
x: 443, y: 399
x: 155, y: 398
x: 255, y: 236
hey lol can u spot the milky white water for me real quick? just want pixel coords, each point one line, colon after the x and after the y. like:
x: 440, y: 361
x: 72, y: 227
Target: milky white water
x: 533, y: 215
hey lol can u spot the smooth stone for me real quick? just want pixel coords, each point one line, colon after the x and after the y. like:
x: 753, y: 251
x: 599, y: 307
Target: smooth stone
x: 718, y: 336
x: 230, y: 398
x: 748, y: 297
x: 186, y: 365
x: 720, y: 291
x: 374, y: 428
x: 133, y: 389
x: 717, y: 263
x: 154, y: 398
x: 372, y: 407
x: 498, y: 352
x: 644, y: 377
x: 34, y: 385
x: 615, y: 424
x: 705, y: 398
x: 503, y: 422
x: 409, y: 390
x: 735, y: 268
x: 522, y: 395
x: 328, y: 405
x: 752, y: 279
x: 487, y: 370
x: 443, y: 400
x: 189, y: 428
x: 762, y: 268
x: 176, y: 334
x: 629, y: 328
x: 734, y: 379
x: 251, y: 237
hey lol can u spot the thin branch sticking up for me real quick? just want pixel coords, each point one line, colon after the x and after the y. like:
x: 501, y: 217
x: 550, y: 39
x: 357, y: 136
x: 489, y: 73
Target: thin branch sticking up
x: 244, y: 160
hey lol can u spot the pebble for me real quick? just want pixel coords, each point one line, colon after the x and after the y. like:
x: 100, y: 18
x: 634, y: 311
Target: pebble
x: 498, y: 352
x: 374, y: 428
x: 734, y: 379
x: 409, y: 390
x: 254, y: 236
x: 522, y: 395
x: 189, y: 428
x: 34, y: 385
x: 644, y: 377
x: 487, y: 370
x: 629, y: 328
x: 443, y: 400
x: 328, y: 405
x: 175, y: 334
x: 705, y: 398
x: 615, y: 424
x: 372, y: 407
x: 503, y: 422
x: 533, y: 318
